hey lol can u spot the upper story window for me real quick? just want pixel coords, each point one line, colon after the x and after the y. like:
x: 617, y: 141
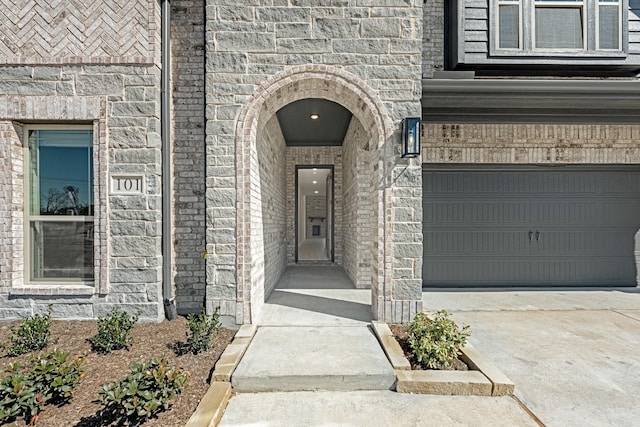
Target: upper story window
x: 59, y: 205
x: 548, y: 26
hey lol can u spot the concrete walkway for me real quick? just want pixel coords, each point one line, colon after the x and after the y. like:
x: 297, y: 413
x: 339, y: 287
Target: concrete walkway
x: 573, y: 354
x: 314, y: 334
x: 371, y: 409
x: 316, y: 296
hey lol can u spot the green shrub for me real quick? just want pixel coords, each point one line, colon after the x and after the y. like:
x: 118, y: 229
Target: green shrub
x: 147, y: 390
x: 113, y: 331
x: 436, y: 343
x: 49, y: 379
x: 201, y: 329
x: 31, y: 334
x: 18, y: 395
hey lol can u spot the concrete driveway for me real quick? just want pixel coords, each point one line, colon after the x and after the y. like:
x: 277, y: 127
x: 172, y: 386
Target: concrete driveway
x: 574, y: 355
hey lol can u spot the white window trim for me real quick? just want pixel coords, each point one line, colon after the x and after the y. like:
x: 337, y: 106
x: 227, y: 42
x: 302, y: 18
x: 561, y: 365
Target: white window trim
x: 591, y: 36
x: 28, y: 218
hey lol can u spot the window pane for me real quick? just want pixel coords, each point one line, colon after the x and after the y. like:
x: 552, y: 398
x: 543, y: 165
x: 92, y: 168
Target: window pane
x: 509, y: 32
x: 609, y: 27
x: 61, y: 172
x: 559, y: 27
x: 61, y: 183
x: 62, y: 250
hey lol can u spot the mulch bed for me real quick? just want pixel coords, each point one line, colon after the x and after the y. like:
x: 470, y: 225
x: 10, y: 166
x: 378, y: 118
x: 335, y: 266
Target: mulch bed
x: 150, y: 340
x: 401, y: 336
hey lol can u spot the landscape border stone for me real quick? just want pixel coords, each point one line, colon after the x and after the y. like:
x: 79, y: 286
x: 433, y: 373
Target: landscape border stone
x: 212, y: 406
x: 232, y: 355
x: 484, y: 378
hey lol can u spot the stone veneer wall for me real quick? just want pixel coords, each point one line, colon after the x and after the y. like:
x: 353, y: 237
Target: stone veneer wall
x: 530, y: 143
x: 187, y: 43
x: 123, y: 104
x: 378, y: 45
x: 94, y: 64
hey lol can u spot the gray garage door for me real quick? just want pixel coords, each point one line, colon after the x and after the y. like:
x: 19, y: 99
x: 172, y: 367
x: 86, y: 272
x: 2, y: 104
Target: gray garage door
x: 546, y: 227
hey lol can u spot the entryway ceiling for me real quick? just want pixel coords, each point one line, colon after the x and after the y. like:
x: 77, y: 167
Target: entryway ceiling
x: 299, y: 129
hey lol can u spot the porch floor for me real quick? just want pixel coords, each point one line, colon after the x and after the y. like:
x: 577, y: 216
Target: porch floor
x: 316, y: 296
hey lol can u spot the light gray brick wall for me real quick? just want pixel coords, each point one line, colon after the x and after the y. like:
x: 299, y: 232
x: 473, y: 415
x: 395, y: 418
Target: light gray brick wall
x: 187, y: 41
x: 531, y: 143
x: 316, y: 208
x: 433, y: 37
x: 358, y: 220
x: 270, y: 215
x: 100, y: 32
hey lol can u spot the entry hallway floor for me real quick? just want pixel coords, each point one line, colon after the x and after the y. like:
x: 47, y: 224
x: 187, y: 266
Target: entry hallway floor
x: 574, y: 354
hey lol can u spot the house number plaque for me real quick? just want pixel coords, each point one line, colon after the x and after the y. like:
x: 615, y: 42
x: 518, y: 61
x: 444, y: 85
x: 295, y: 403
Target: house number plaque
x: 127, y: 184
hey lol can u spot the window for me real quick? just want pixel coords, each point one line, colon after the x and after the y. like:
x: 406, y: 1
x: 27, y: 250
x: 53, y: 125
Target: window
x: 510, y: 22
x: 60, y: 205
x: 546, y: 26
x: 559, y: 24
x: 609, y: 18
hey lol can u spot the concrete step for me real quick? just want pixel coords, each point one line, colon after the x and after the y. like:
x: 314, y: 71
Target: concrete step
x: 310, y: 358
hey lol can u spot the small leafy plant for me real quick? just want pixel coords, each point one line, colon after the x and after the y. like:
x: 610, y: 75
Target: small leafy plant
x: 50, y: 379
x: 201, y: 330
x: 31, y: 334
x: 113, y: 331
x: 146, y: 391
x: 436, y: 343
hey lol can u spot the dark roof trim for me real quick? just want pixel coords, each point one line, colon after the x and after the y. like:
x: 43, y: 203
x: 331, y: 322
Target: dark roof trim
x: 535, y: 86
x: 530, y: 101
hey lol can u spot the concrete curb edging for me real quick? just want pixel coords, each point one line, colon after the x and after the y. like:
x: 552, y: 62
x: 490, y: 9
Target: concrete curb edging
x: 231, y: 356
x: 212, y: 406
x: 483, y: 380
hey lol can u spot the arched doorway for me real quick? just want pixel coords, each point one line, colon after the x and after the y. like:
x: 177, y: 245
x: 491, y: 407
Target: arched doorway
x: 265, y: 183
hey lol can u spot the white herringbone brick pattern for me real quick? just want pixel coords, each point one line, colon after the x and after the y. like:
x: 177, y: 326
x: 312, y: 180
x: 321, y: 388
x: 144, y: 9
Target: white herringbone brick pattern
x: 78, y: 31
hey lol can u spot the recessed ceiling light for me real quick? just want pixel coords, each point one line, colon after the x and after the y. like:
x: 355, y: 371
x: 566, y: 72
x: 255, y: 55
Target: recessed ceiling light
x: 316, y: 191
x: 314, y: 116
x: 315, y: 182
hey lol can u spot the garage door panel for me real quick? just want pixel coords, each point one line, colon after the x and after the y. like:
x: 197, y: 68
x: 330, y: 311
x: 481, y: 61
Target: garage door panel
x: 624, y: 213
x: 444, y: 213
x: 585, y: 242
x: 542, y: 227
x: 550, y: 272
x: 473, y: 242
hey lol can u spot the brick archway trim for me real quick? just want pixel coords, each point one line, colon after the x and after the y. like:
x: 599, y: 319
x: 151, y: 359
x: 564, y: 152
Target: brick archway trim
x: 294, y: 83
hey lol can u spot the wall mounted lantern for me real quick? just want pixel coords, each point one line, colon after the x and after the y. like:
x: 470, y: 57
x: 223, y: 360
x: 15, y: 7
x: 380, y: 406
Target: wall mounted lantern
x: 411, y: 137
